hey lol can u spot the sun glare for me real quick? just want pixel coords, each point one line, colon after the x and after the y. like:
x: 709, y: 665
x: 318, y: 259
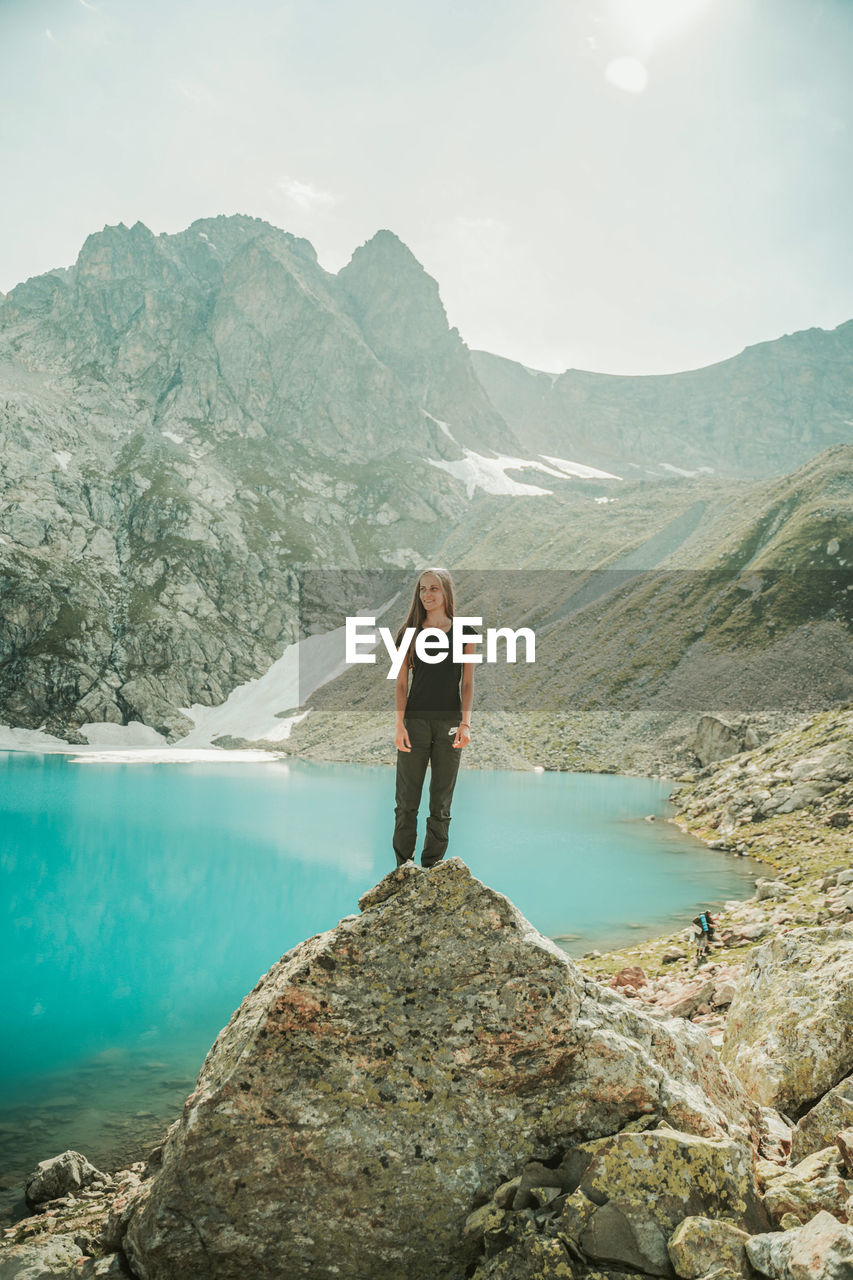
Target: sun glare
x: 650, y: 22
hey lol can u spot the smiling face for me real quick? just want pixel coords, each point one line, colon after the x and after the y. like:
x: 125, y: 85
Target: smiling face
x: 431, y: 594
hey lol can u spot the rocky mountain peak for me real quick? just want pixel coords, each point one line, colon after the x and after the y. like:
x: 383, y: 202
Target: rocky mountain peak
x: 115, y: 251
x: 397, y: 306
x: 385, y: 246
x: 391, y: 293
x: 226, y: 234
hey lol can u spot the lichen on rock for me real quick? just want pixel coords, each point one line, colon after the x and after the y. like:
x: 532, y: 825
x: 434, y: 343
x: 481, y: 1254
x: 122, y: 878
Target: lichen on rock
x: 788, y: 1032
x: 822, y: 1249
x: 818, y: 1127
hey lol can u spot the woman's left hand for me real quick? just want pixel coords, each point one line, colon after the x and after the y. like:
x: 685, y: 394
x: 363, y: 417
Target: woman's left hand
x: 463, y: 736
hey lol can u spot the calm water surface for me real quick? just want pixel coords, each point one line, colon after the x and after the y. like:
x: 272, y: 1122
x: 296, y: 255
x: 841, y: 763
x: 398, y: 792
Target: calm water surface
x: 141, y: 902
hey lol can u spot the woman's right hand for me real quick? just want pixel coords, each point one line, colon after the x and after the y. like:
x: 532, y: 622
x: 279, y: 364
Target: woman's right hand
x: 401, y: 738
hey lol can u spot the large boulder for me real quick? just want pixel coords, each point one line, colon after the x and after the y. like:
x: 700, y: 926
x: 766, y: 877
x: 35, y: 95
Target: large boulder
x: 385, y: 1076
x: 60, y: 1176
x: 716, y: 739
x: 804, y: 1189
x: 820, y: 1250
x: 638, y: 1187
x: 818, y: 1127
x: 55, y: 1257
x: 700, y: 1246
x: 788, y: 1036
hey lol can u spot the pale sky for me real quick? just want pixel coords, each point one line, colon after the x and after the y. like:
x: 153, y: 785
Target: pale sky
x: 631, y: 186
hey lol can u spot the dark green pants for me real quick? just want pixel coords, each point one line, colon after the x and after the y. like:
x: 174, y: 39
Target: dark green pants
x: 431, y: 745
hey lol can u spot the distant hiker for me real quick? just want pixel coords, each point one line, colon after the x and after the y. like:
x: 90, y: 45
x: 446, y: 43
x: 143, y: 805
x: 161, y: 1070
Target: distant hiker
x: 433, y: 719
x: 703, y: 926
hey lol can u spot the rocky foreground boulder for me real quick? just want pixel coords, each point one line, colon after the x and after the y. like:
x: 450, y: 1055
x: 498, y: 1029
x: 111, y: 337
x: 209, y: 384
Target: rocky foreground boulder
x: 818, y: 1127
x: 67, y: 1173
x: 788, y: 1036
x: 808, y: 767
x: 617, y: 1201
x: 820, y: 1250
x: 384, y: 1077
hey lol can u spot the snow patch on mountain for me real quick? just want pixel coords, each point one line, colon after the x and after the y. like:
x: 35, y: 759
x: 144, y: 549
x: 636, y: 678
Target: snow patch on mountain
x: 30, y: 740
x: 254, y: 711
x: 489, y: 474
x: 578, y: 469
x: 679, y: 471
x: 116, y: 737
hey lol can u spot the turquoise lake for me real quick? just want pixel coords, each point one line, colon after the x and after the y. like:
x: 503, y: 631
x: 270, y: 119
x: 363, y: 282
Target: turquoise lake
x: 141, y: 902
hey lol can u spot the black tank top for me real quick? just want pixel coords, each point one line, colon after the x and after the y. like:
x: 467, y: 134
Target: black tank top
x: 434, y: 690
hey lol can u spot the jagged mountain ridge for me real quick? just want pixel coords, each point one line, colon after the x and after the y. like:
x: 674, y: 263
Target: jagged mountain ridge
x: 169, y: 315
x: 763, y: 412
x: 185, y: 421
x: 189, y: 421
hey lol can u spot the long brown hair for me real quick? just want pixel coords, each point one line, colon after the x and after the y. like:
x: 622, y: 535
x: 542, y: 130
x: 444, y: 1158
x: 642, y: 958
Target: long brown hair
x: 416, y: 616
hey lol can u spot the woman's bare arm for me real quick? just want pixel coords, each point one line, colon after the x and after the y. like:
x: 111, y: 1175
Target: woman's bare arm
x: 401, y: 692
x: 463, y: 733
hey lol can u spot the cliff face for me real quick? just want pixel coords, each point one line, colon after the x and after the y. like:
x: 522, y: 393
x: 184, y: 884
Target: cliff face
x: 184, y: 422
x: 383, y: 1077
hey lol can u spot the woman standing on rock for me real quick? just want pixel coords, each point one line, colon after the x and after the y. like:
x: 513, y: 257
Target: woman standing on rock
x: 433, y: 718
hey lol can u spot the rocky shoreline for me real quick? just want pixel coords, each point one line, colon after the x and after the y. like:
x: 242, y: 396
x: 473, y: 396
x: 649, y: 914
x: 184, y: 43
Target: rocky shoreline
x: 648, y: 743
x: 775, y: 999
x: 787, y: 804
